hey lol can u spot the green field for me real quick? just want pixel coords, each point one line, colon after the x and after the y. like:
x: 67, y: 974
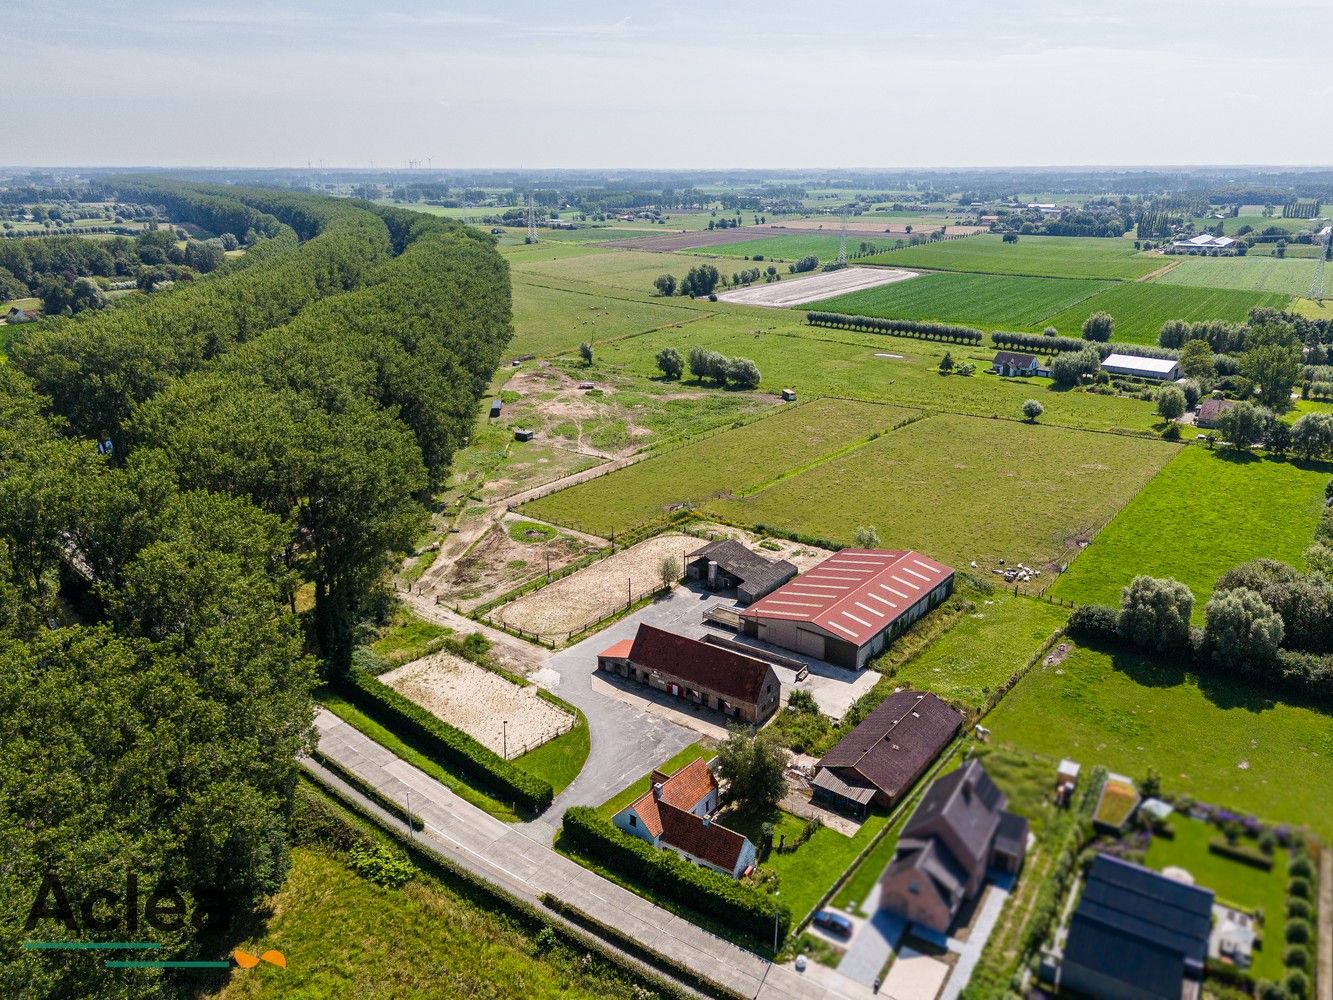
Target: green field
x: 730, y: 462
x: 630, y: 271
x: 1310, y: 250
x: 984, y: 649
x: 793, y: 247
x: 902, y: 370
x: 551, y: 321
x: 1252, y: 274
x: 1040, y: 256
x: 1231, y: 881
x: 1206, y: 512
x: 1219, y: 741
x: 1140, y: 308
x: 989, y: 301
x: 1229, y: 226
x: 961, y: 489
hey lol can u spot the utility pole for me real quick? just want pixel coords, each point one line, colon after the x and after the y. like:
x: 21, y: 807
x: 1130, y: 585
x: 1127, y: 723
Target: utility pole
x: 504, y: 735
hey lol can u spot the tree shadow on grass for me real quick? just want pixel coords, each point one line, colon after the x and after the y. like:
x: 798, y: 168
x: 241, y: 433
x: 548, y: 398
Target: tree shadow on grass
x: 1221, y: 691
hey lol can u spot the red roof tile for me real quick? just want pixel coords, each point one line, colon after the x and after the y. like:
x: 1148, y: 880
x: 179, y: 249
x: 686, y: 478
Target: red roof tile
x: 617, y: 651
x: 854, y: 594
x: 736, y: 677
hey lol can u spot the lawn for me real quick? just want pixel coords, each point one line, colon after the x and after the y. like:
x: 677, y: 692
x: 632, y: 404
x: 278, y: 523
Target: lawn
x: 988, y: 301
x: 1232, y: 881
x: 407, y: 637
x: 635, y: 790
x: 729, y: 462
x: 962, y: 488
x: 1206, y: 512
x: 1216, y: 740
x: 1140, y: 308
x: 1254, y: 274
x: 632, y: 271
x: 560, y: 760
x: 551, y: 321
x: 901, y: 370
x: 983, y: 650
x: 1040, y: 256
x: 344, y: 936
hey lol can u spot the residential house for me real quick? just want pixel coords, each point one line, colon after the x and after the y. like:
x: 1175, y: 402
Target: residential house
x: 740, y: 687
x: 849, y: 607
x: 728, y: 565
x: 880, y: 760
x: 959, y: 832
x: 1210, y: 410
x: 1011, y: 363
x: 1136, y: 935
x: 676, y: 813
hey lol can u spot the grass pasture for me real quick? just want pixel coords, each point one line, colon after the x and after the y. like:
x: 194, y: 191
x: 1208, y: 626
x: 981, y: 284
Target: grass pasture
x: 1251, y: 274
x: 788, y: 248
x: 1206, y: 512
x: 738, y: 459
x: 550, y: 321
x: 1140, y: 308
x: 962, y: 489
x: 1219, y: 741
x: 989, y: 301
x: 1037, y: 256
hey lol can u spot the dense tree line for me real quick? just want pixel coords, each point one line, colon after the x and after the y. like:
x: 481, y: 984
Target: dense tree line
x: 278, y: 423
x: 924, y: 330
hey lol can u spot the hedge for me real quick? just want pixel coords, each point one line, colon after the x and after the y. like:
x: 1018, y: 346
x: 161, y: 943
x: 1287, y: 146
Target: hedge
x: 737, y: 905
x: 368, y: 790
x: 1245, y: 855
x: 1226, y: 365
x: 437, y: 738
x: 898, y: 327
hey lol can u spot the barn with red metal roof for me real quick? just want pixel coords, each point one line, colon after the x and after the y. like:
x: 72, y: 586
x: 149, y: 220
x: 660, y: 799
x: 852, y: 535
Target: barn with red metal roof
x: 847, y: 609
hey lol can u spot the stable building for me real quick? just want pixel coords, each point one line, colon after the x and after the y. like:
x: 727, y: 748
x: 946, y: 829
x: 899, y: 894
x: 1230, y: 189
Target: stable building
x: 729, y: 565
x: 740, y: 687
x: 879, y: 761
x: 1205, y: 243
x: 959, y: 832
x: 1159, y: 369
x: 847, y: 609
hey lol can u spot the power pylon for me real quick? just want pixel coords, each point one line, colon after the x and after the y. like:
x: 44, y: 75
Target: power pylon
x: 532, y: 221
x: 842, y: 243
x: 1317, y: 286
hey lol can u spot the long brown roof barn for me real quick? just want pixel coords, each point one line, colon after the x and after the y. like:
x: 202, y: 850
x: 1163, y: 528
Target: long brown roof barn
x: 882, y: 758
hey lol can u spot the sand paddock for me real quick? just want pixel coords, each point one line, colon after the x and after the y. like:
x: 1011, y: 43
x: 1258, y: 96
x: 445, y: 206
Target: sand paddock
x: 478, y: 702
x: 796, y: 291
x: 596, y: 590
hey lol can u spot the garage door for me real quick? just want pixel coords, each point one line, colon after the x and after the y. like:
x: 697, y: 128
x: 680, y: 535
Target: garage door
x: 810, y: 643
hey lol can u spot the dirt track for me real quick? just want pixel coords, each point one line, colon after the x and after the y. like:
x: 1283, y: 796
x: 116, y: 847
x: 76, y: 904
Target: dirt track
x: 795, y: 291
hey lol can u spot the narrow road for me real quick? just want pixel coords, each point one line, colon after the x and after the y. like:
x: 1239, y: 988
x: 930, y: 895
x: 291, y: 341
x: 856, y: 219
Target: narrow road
x: 506, y: 856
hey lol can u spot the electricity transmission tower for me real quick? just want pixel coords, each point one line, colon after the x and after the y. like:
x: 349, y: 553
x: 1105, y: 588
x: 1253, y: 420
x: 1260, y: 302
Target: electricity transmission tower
x: 842, y: 243
x: 532, y: 221
x: 1317, y: 286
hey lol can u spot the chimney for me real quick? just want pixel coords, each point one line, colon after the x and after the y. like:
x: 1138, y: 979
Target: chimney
x: 707, y: 822
x: 712, y: 574
x: 657, y: 789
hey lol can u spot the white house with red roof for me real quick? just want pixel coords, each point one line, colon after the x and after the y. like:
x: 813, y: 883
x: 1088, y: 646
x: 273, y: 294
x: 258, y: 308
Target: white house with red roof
x: 847, y: 609
x: 676, y: 813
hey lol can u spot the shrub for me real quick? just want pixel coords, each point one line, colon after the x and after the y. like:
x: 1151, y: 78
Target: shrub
x: 1298, y: 932
x: 375, y: 864
x: 1094, y: 623
x: 1171, y: 433
x: 1297, y: 982
x: 1301, y: 867
x: 451, y: 745
x: 1299, y: 909
x: 1299, y: 888
x: 1238, y: 852
x: 1296, y: 957
x: 732, y: 902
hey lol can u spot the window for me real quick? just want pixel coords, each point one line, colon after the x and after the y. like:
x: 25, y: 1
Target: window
x: 633, y: 820
x: 914, y: 888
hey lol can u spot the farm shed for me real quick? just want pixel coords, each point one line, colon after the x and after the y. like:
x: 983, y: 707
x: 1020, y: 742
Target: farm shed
x: 882, y: 758
x: 1136, y: 935
x: 728, y: 564
x: 1137, y: 367
x: 738, y: 686
x: 789, y: 395
x: 848, y: 608
x: 959, y: 830
x: 1210, y: 409
x: 1205, y: 243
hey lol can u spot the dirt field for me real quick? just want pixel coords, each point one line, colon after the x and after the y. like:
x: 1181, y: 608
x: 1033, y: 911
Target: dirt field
x: 796, y: 291
x: 668, y: 242
x: 596, y: 591
x: 478, y: 702
x: 498, y: 563
x: 799, y: 555
x: 881, y: 227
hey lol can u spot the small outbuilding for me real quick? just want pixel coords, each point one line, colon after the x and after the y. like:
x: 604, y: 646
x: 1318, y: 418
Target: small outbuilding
x: 789, y: 395
x: 1158, y: 369
x: 495, y: 408
x: 727, y: 564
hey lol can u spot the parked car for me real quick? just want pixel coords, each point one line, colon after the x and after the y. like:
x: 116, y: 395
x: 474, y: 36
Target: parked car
x: 834, y: 922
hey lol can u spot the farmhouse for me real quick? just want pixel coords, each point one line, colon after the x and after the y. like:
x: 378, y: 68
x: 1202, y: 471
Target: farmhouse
x: 882, y: 758
x: 959, y: 831
x: 17, y: 315
x: 675, y: 813
x: 1131, y: 364
x: 1136, y: 935
x: 1210, y: 409
x: 1205, y: 243
x: 736, y: 685
x: 849, y: 607
x: 727, y: 565
x: 1010, y: 363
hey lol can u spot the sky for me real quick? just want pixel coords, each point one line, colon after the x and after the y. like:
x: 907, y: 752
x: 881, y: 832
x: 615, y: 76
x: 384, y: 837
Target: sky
x: 680, y: 84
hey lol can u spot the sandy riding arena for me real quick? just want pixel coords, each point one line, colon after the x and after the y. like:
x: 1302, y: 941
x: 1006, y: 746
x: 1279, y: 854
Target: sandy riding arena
x: 479, y: 703
x: 596, y: 590
x: 795, y: 291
